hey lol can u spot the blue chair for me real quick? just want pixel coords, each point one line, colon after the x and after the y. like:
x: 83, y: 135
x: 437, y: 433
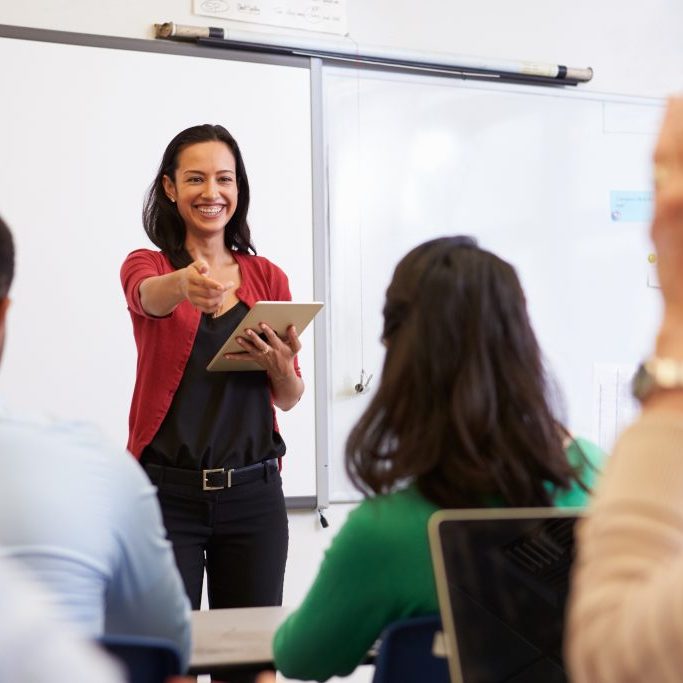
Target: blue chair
x: 405, y: 653
x: 146, y: 660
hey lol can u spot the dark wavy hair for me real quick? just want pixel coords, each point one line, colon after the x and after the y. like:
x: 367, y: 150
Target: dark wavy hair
x: 164, y: 225
x: 6, y: 259
x: 463, y: 406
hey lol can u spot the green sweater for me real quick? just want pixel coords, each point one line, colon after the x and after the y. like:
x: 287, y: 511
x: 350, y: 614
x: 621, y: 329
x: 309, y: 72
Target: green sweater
x: 377, y: 570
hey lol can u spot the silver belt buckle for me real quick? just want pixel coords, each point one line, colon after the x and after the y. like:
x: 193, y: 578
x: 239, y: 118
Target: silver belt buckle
x: 205, y: 483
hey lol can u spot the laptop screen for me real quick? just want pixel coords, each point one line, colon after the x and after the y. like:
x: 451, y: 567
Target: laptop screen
x: 503, y: 577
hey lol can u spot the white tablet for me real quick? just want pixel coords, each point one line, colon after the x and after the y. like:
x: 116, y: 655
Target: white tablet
x: 278, y: 315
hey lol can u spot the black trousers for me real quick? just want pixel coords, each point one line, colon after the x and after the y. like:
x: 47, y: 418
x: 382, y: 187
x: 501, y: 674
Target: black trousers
x: 239, y: 535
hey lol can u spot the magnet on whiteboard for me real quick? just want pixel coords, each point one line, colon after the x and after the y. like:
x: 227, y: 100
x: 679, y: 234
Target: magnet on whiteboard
x: 363, y: 383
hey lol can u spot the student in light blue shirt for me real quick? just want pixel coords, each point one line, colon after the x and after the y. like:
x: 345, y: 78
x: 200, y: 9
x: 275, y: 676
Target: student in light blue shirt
x: 36, y: 646
x: 83, y: 519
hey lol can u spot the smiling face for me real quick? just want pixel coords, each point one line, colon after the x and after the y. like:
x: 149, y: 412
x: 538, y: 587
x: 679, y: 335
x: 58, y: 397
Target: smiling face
x: 204, y: 188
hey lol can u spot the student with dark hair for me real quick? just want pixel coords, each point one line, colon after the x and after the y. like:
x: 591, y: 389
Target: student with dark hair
x: 6, y: 261
x: 461, y: 419
x: 210, y: 441
x: 82, y: 519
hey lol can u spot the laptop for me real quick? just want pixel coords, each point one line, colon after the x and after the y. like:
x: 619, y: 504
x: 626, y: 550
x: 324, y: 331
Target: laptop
x: 502, y: 577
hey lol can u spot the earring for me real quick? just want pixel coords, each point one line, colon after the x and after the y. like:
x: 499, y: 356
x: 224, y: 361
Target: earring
x: 172, y: 199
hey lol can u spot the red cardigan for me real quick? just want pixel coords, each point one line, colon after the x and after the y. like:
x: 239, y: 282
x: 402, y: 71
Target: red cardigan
x: 164, y: 344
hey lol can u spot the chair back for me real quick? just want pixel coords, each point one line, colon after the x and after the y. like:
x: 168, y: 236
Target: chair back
x: 502, y: 578
x: 145, y: 660
x: 406, y: 653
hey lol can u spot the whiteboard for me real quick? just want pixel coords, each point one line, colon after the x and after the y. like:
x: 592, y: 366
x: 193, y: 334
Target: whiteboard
x: 82, y: 131
x: 529, y: 172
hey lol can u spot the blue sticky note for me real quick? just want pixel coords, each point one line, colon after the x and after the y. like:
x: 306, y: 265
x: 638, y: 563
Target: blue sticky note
x: 631, y: 206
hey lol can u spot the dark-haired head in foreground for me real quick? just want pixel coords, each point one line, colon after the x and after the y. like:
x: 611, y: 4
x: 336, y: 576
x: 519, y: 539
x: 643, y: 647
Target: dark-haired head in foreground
x: 6, y: 275
x: 462, y: 408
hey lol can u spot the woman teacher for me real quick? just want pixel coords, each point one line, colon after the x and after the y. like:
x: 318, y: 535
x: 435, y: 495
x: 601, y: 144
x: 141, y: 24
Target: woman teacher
x: 209, y: 440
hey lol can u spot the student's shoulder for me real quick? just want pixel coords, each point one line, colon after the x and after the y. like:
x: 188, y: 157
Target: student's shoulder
x: 583, y: 453
x: 35, y: 427
x: 383, y: 515
x: 381, y: 533
x: 70, y: 443
x: 587, y: 460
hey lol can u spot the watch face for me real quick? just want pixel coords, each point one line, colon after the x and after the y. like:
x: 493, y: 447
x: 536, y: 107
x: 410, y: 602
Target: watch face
x: 643, y: 383
x: 657, y: 374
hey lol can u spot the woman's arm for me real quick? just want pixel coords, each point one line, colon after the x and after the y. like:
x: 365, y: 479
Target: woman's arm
x: 352, y: 599
x: 286, y: 391
x: 277, y: 357
x: 286, y: 386
x: 626, y: 614
x: 160, y: 294
x: 626, y: 611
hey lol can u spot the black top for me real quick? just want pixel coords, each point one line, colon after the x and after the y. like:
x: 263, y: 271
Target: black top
x: 216, y: 419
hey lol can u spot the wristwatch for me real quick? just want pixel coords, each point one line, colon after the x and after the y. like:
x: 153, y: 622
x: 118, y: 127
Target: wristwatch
x: 657, y: 374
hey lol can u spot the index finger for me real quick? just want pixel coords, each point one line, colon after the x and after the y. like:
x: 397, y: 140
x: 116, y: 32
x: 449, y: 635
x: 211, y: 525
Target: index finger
x: 208, y: 283
x: 214, y: 284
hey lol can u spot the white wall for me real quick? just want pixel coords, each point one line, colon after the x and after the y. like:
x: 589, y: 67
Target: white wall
x: 634, y: 48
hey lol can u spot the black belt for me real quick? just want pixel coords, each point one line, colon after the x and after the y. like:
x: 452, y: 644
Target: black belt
x: 211, y: 480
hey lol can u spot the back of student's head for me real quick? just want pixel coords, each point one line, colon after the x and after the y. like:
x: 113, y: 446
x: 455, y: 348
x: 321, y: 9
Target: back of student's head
x: 461, y: 407
x: 6, y: 259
